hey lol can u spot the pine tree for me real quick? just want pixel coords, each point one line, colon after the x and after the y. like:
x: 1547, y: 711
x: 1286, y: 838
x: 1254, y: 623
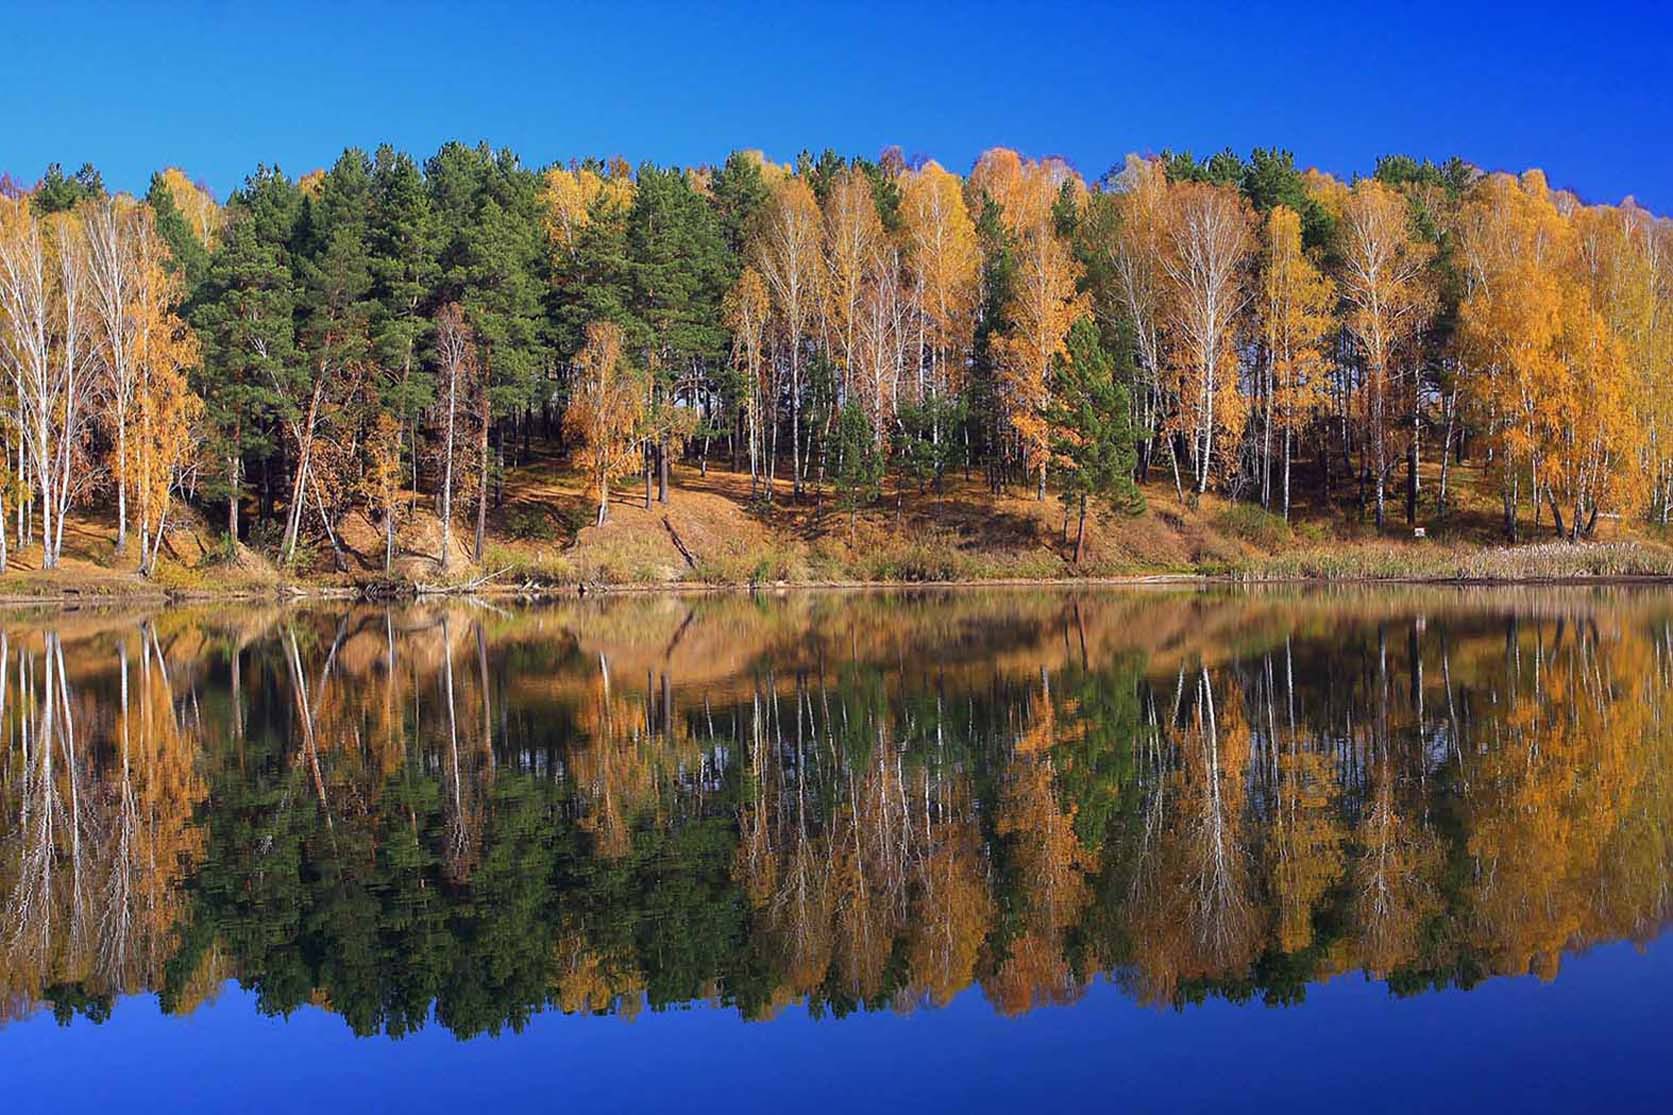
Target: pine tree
x: 244, y: 315
x: 402, y: 243
x: 679, y: 269
x: 334, y: 272
x: 859, y: 472
x: 1094, y: 449
x: 187, y: 254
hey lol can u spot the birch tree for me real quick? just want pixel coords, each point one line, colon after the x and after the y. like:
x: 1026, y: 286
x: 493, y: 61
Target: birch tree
x: 456, y: 357
x: 46, y: 297
x: 114, y: 268
x: 605, y: 410
x: 1382, y: 278
x: 787, y: 249
x: 1294, y: 306
x: 1206, y: 245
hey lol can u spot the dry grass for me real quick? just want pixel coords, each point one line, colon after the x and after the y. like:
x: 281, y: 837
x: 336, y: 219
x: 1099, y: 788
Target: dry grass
x: 1540, y: 561
x: 543, y: 536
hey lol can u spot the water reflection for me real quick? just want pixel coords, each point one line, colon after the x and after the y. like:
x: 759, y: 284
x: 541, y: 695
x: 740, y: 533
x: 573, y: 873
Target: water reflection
x: 465, y: 814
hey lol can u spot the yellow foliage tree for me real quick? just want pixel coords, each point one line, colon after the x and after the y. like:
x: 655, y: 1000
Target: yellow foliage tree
x: 1044, y: 300
x: 944, y: 261
x: 787, y: 250
x: 1294, y: 307
x: 572, y: 198
x: 1383, y: 279
x: 853, y: 234
x: 605, y: 409
x: 203, y: 215
x: 1552, y: 382
x: 168, y: 410
x: 746, y: 311
x: 1207, y: 240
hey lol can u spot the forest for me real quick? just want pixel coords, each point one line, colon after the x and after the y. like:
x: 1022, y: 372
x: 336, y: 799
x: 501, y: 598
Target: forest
x: 390, y: 340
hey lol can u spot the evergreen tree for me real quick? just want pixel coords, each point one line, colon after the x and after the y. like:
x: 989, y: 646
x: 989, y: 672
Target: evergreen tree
x: 187, y: 254
x: 402, y: 243
x: 1094, y: 449
x: 739, y: 190
x: 859, y: 472
x: 244, y: 316
x: 1270, y: 179
x: 58, y: 192
x: 679, y: 269
x: 492, y: 263
x: 334, y: 311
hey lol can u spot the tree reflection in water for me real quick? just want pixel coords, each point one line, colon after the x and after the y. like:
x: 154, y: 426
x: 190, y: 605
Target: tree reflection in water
x: 465, y: 814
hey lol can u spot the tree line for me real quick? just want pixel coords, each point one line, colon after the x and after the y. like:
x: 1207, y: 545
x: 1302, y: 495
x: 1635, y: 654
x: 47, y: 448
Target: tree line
x: 387, y: 331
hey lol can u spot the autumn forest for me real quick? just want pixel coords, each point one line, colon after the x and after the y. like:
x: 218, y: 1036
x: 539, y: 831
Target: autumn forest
x: 389, y: 341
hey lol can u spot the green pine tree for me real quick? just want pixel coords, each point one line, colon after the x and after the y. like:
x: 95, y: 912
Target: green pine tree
x: 1094, y: 450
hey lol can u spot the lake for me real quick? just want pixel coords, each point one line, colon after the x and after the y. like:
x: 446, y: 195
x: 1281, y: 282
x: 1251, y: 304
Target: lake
x: 966, y: 849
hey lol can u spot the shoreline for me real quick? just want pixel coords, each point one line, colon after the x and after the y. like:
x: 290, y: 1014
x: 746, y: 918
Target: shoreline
x: 77, y: 598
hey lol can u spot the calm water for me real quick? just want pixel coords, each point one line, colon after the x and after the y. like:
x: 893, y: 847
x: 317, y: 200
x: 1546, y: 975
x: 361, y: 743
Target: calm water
x: 972, y: 849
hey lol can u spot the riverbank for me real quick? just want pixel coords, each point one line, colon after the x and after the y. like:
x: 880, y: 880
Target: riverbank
x: 711, y: 533
x: 1536, y: 563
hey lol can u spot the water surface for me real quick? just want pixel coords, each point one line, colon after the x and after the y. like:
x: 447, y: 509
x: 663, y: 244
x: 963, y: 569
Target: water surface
x: 961, y: 849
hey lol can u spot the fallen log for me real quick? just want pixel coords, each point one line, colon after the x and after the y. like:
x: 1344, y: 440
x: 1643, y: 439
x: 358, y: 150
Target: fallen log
x: 679, y: 544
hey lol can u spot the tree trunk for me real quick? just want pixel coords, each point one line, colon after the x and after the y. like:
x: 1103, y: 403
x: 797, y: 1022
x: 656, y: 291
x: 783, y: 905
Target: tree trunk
x: 232, y: 498
x: 337, y: 558
x: 1379, y: 456
x: 1207, y: 430
x: 1266, y: 438
x: 1411, y: 481
x: 121, y: 481
x: 1446, y: 453
x: 1509, y: 493
x: 1080, y: 531
x: 1286, y: 473
x: 298, y: 492
x: 482, y: 480
x: 447, y: 465
x: 795, y: 424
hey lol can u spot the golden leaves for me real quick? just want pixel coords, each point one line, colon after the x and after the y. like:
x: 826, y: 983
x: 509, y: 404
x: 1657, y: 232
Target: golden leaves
x: 944, y: 258
x: 572, y: 198
x: 203, y: 216
x: 606, y: 407
x: 1295, y: 314
x: 1044, y: 301
x: 1552, y: 376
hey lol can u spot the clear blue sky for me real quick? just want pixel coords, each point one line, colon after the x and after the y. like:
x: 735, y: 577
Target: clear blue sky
x: 218, y: 88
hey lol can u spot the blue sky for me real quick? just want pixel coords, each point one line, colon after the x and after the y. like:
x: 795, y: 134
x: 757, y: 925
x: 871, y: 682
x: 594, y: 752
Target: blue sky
x: 219, y: 88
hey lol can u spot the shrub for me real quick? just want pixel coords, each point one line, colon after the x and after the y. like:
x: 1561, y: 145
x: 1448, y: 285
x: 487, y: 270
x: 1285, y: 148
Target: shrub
x: 543, y: 567
x: 266, y: 535
x: 530, y: 524
x: 1254, y: 525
